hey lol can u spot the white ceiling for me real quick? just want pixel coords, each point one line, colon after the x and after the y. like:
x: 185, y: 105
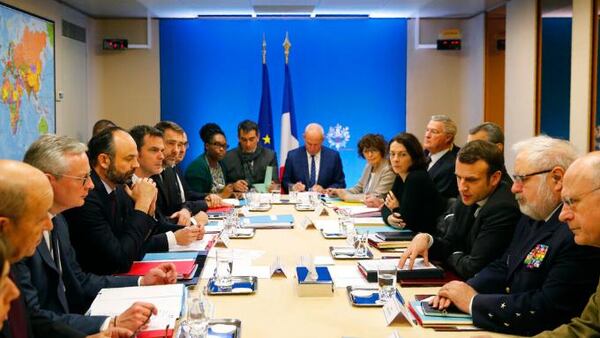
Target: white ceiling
x: 193, y: 8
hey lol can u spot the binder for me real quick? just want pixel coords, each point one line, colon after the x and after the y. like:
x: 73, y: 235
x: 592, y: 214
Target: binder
x: 185, y: 268
x: 369, y: 270
x: 269, y: 222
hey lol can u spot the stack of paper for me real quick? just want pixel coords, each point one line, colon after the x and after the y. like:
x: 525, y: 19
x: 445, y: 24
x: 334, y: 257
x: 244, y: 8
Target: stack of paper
x: 381, y: 244
x: 168, y: 300
x: 362, y: 211
x: 420, y: 270
x: 214, y: 227
x: 203, y: 244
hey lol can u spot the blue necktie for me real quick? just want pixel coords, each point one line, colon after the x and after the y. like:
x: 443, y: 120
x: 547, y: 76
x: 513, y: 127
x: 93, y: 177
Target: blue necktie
x: 313, y: 169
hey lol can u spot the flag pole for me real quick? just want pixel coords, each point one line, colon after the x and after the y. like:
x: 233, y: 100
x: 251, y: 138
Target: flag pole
x: 287, y: 45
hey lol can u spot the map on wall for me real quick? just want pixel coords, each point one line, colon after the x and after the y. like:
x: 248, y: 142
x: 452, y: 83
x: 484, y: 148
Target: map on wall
x: 27, y: 107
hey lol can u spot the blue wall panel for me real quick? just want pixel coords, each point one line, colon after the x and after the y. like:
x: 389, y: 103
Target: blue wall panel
x: 556, y: 77
x: 351, y: 72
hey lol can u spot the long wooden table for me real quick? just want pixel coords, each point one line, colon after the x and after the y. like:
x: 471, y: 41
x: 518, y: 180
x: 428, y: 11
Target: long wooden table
x: 277, y: 311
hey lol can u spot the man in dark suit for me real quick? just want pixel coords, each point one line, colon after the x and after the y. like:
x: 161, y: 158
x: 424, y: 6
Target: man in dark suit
x: 247, y: 163
x: 52, y: 282
x: 171, y: 204
x: 484, y: 217
x: 491, y: 132
x: 543, y: 279
x: 115, y: 226
x: 440, y: 152
x: 26, y: 198
x: 313, y: 166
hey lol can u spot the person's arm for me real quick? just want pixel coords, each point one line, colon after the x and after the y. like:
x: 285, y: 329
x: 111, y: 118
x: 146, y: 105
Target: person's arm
x: 86, y: 324
x: 275, y: 166
x: 559, y: 292
x: 586, y: 325
x: 338, y: 177
x: 288, y: 174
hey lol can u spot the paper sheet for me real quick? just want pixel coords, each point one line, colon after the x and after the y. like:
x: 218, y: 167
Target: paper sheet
x: 345, y: 275
x: 200, y: 245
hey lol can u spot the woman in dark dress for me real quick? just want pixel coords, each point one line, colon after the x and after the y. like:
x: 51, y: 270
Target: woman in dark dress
x: 413, y: 203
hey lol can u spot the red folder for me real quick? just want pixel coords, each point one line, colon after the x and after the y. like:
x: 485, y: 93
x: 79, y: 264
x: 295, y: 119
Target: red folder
x: 220, y: 209
x: 413, y: 282
x: 184, y: 268
x: 168, y: 333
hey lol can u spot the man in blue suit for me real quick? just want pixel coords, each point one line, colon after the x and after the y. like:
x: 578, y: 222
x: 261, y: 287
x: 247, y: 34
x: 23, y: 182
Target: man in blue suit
x: 543, y: 279
x: 52, y: 282
x: 313, y: 166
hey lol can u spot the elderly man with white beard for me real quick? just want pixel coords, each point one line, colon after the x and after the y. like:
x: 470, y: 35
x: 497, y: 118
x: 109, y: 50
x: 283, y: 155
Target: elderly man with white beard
x: 543, y: 279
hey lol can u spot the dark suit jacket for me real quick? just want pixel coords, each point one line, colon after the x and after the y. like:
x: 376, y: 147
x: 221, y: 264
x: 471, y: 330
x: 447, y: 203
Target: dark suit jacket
x: 235, y: 172
x: 40, y: 283
x: 524, y: 299
x: 190, y: 195
x: 331, y: 172
x: 471, y: 242
x: 420, y: 202
x: 442, y: 173
x: 35, y: 325
x: 169, y: 195
x: 106, y: 242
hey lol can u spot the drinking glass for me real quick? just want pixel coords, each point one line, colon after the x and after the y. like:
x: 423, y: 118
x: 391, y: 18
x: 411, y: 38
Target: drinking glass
x: 199, y: 313
x: 293, y: 195
x: 224, y: 268
x: 386, y: 278
x: 361, y: 244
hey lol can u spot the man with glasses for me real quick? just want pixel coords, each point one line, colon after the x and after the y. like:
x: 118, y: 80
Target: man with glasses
x: 246, y: 164
x: 52, y: 282
x: 484, y: 218
x: 543, y: 279
x: 581, y: 197
x: 440, y: 152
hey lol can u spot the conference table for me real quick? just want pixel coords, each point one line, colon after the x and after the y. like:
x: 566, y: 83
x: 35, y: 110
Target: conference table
x: 276, y: 310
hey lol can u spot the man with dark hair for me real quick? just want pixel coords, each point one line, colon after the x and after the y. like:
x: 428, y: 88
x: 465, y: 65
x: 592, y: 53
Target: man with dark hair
x: 440, y: 152
x: 175, y: 183
x: 491, y: 132
x: 100, y: 125
x: 484, y: 217
x: 246, y: 164
x: 150, y: 147
x: 543, y: 279
x: 115, y: 226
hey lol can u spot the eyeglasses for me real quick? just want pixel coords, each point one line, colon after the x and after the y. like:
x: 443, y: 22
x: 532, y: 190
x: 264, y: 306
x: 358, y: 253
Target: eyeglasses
x: 84, y: 179
x: 571, y: 201
x: 220, y: 145
x: 522, y: 178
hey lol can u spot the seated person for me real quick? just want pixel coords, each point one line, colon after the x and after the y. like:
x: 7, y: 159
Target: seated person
x: 484, y: 217
x: 377, y: 177
x: 413, y: 202
x: 206, y: 174
x: 440, y: 152
x: 543, y: 279
x: 116, y: 225
x: 246, y: 164
x: 313, y: 166
x: 52, y: 282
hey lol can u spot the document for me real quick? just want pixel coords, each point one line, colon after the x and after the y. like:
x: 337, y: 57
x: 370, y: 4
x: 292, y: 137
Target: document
x: 203, y: 244
x: 168, y: 300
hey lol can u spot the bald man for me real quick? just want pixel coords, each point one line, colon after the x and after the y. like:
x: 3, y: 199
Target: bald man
x: 313, y: 166
x: 581, y: 196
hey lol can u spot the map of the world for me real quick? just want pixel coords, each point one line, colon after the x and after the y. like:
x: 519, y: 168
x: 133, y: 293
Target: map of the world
x: 27, y: 107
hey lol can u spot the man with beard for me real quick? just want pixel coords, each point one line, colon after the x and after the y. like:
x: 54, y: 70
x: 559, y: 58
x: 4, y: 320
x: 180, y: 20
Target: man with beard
x: 246, y: 164
x: 543, y: 279
x: 115, y: 226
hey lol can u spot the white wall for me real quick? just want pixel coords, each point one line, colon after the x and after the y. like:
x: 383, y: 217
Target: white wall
x: 71, y: 74
x: 520, y: 81
x: 446, y: 82
x: 581, y: 77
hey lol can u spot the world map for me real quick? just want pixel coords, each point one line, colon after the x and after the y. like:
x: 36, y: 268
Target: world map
x: 27, y: 107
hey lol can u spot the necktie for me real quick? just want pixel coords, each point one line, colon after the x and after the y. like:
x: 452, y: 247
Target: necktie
x: 313, y: 169
x: 61, y: 285
x: 428, y: 161
x: 17, y: 317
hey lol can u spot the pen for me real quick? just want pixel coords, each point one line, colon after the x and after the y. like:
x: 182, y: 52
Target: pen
x: 390, y: 257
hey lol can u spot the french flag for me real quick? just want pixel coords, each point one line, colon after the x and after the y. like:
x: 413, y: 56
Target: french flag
x: 289, y: 133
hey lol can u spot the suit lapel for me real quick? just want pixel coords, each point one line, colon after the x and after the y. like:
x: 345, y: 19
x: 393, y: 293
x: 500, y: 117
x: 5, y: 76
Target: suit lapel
x: 546, y: 230
x: 304, y: 164
x: 321, y: 166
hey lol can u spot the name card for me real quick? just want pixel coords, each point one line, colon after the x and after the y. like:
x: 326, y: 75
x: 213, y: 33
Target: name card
x: 307, y: 223
x: 277, y: 268
x: 223, y: 240
x: 394, y: 311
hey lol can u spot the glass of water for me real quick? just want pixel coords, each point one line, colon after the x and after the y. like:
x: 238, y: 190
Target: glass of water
x: 199, y: 312
x: 293, y: 195
x: 361, y: 244
x: 386, y: 278
x: 224, y: 268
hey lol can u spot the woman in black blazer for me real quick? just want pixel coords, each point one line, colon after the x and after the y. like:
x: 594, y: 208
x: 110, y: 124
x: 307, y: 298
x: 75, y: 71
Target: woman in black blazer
x: 413, y: 203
